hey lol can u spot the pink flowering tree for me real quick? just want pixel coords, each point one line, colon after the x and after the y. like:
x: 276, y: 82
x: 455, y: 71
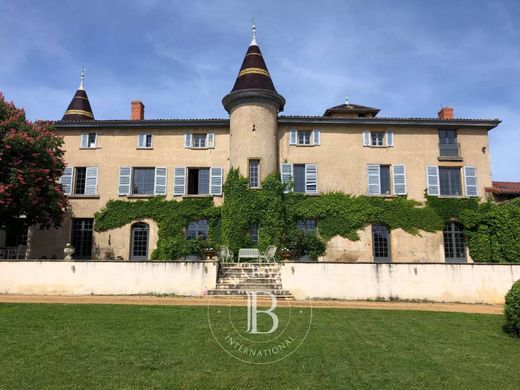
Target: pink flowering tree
x: 31, y: 164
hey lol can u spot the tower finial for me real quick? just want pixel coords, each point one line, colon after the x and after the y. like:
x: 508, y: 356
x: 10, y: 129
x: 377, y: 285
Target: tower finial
x: 82, y: 80
x: 346, y: 100
x: 253, y: 33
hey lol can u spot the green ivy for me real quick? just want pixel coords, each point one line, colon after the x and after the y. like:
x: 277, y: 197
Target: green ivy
x: 492, y: 230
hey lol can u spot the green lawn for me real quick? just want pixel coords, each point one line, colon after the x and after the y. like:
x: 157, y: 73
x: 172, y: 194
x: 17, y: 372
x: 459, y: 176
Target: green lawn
x: 114, y: 347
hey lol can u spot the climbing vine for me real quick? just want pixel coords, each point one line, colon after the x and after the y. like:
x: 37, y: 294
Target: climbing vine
x: 492, y: 230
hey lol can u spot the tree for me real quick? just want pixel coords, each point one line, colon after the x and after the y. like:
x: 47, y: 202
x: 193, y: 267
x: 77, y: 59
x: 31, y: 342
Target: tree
x: 31, y: 163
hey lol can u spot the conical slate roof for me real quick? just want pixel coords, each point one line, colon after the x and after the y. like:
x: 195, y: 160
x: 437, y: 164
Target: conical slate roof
x: 253, y: 72
x: 253, y: 83
x: 79, y: 108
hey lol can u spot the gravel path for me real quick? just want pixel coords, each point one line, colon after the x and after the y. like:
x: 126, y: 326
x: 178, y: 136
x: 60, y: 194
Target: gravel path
x: 204, y: 301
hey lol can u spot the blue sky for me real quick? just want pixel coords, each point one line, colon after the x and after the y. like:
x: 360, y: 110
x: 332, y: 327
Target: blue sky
x: 181, y: 57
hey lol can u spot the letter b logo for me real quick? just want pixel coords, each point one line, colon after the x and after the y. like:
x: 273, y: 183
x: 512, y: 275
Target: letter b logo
x: 253, y: 311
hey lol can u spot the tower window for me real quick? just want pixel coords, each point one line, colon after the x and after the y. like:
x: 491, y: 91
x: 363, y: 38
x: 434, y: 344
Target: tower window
x: 254, y: 173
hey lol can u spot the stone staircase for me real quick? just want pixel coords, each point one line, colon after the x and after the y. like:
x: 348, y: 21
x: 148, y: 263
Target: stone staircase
x: 237, y: 279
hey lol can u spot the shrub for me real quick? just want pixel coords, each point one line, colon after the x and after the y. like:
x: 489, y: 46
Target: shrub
x: 512, y: 310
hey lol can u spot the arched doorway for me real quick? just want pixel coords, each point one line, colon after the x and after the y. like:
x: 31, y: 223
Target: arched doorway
x: 454, y: 243
x: 139, y: 234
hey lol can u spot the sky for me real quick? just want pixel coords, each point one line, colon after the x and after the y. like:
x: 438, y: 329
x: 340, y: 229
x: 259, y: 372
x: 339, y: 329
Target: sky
x: 180, y: 58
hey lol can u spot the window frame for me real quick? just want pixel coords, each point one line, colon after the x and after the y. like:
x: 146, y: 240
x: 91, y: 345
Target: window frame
x: 82, y: 250
x: 303, y: 134
x: 380, y: 228
x: 198, y: 137
x: 147, y: 137
x: 132, y: 187
x: 257, y: 184
x: 139, y: 227
x: 453, y: 236
x: 197, y: 230
x: 189, y: 178
x: 374, y: 139
x: 75, y: 180
x: 449, y: 181
x: 303, y: 225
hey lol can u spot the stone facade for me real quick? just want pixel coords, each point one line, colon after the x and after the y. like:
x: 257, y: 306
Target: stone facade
x: 341, y: 151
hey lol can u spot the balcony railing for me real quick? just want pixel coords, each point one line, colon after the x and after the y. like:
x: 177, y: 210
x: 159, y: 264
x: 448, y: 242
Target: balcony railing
x: 449, y: 150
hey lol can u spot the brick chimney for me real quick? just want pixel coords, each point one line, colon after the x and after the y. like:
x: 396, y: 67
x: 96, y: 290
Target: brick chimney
x: 445, y: 113
x: 137, y: 110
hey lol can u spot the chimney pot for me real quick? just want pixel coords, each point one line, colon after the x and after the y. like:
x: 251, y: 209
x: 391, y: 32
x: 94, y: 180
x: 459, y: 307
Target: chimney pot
x: 137, y: 110
x: 445, y: 113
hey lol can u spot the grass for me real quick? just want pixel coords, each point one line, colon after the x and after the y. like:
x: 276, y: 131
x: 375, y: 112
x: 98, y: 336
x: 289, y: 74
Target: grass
x: 118, y: 347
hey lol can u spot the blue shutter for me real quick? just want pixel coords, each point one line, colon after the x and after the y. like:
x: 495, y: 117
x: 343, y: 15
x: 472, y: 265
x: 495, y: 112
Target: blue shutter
x: 366, y: 138
x: 389, y: 138
x: 374, y: 181
x: 84, y: 140
x: 470, y: 181
x: 125, y: 179
x: 311, y: 178
x: 399, y: 177
x: 161, y: 180
x: 286, y: 176
x: 216, y: 177
x: 91, y: 180
x: 66, y: 180
x: 316, y: 137
x: 179, y: 181
x: 210, y: 140
x: 293, y: 137
x: 432, y: 180
x: 188, y: 140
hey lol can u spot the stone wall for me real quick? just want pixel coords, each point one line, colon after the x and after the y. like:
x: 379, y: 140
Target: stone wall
x: 106, y: 278
x: 438, y: 282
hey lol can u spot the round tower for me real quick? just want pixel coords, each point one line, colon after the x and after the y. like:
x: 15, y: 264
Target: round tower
x: 253, y: 106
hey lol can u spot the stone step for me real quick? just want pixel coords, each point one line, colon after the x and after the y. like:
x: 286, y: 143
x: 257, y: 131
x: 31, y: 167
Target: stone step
x: 243, y: 292
x: 227, y: 279
x: 259, y: 287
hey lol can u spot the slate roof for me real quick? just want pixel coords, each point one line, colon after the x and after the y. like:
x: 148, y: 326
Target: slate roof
x: 253, y: 72
x: 79, y: 108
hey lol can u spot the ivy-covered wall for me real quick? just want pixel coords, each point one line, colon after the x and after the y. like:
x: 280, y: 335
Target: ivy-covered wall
x: 493, y: 231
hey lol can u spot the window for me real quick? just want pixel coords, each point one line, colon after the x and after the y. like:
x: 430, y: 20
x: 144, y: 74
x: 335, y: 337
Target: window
x: 253, y: 234
x: 82, y: 237
x: 448, y: 146
x: 299, y: 177
x: 386, y: 179
x: 304, y: 137
x: 197, y: 230
x: 139, y: 245
x: 198, y: 181
x: 79, y: 181
x: 450, y: 182
x: 143, y: 180
x: 307, y: 225
x: 377, y: 138
x: 254, y: 173
x: 303, y: 177
x: 88, y: 140
x: 199, y: 140
x: 144, y: 141
x: 381, y: 243
x: 454, y: 243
